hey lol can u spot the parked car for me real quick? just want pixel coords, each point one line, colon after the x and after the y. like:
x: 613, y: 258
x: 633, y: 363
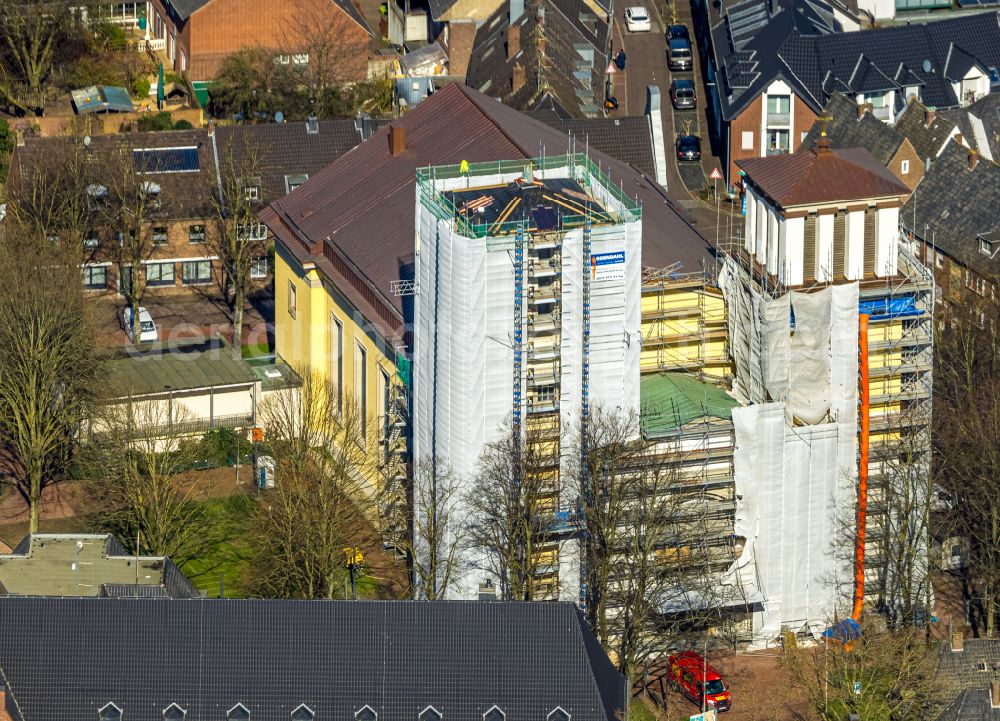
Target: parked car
x: 637, y: 20
x: 147, y: 329
x: 679, y: 54
x: 682, y: 94
x: 678, y: 31
x: 688, y: 147
x: 689, y: 673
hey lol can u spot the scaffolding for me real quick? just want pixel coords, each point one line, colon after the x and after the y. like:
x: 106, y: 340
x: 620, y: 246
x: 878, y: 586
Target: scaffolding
x: 683, y: 323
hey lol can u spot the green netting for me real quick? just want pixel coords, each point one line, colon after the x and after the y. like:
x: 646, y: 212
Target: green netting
x: 672, y: 400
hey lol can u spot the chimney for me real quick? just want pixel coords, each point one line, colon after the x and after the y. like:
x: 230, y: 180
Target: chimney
x: 994, y: 693
x: 487, y: 592
x: 513, y: 41
x: 397, y: 139
x: 973, y: 159
x: 862, y: 109
x: 19, y: 135
x: 822, y: 146
x: 929, y: 115
x: 957, y: 642
x: 211, y: 128
x: 316, y: 247
x: 959, y: 139
x: 516, y: 77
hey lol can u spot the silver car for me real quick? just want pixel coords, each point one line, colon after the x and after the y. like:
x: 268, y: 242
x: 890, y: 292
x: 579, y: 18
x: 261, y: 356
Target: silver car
x: 682, y: 94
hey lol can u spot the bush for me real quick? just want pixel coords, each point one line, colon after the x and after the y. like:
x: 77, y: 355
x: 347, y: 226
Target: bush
x: 6, y: 145
x: 183, y: 124
x: 141, y: 86
x: 223, y: 444
x: 156, y: 121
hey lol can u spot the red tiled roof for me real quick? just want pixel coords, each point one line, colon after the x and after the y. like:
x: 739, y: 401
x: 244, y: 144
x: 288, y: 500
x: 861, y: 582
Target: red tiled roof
x: 361, y: 207
x: 822, y: 175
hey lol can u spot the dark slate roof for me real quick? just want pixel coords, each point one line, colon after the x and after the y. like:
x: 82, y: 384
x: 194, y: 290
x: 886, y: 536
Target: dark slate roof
x: 66, y: 658
x: 971, y: 705
x: 927, y: 139
x: 821, y: 176
x: 796, y: 45
x: 965, y: 669
x: 953, y: 205
x: 570, y: 69
x: 175, y: 367
x: 986, y: 112
x: 185, y: 8
x: 627, y: 139
x: 369, y: 193
x: 846, y: 130
x: 280, y: 150
x: 290, y: 149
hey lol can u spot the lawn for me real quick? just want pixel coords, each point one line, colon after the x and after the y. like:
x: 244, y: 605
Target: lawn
x: 226, y: 560
x: 256, y: 350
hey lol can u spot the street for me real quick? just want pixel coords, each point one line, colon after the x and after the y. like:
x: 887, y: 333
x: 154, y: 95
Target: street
x: 646, y: 54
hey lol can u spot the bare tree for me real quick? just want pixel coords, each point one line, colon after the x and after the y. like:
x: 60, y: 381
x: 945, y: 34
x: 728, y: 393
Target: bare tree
x: 32, y: 33
x: 55, y: 195
x: 135, y: 462
x: 438, y: 531
x: 325, y: 498
x: 48, y: 369
x: 966, y: 452
x: 238, y: 239
x: 656, y: 543
x: 133, y: 201
x: 507, y: 525
x: 878, y: 675
x: 316, y: 39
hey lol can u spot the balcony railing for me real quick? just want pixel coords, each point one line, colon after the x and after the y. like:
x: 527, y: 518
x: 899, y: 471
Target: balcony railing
x: 777, y: 151
x: 779, y: 118
x: 156, y: 44
x: 882, y: 112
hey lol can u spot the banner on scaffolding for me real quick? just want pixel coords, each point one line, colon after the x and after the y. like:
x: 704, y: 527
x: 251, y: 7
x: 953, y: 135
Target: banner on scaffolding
x: 607, y: 266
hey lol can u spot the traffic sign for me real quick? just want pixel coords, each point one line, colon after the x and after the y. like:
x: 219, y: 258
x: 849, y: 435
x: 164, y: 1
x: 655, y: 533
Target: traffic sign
x: 611, y: 68
x: 715, y: 174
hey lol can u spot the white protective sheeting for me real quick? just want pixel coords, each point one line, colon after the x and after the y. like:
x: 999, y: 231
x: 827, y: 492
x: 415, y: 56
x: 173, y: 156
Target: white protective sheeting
x: 844, y: 378
x: 787, y: 477
x: 809, y: 366
x: 743, y: 321
x: 776, y: 319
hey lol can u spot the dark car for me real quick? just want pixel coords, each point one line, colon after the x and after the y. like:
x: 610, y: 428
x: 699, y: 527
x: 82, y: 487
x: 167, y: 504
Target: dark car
x: 679, y: 54
x: 682, y: 94
x: 678, y: 31
x: 688, y: 147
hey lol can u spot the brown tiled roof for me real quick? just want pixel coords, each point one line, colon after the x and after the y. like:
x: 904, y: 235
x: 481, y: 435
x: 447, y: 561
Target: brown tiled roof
x: 361, y: 207
x: 822, y: 175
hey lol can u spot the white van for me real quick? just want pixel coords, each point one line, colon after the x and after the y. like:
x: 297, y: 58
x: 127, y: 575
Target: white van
x: 147, y: 329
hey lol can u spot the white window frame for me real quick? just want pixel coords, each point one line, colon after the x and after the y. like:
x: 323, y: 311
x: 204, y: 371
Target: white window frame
x: 158, y: 238
x: 746, y: 140
x: 193, y: 234
x: 361, y: 385
x: 292, y: 298
x: 87, y: 273
x: 196, y: 261
x: 904, y: 167
x: 252, y: 231
x: 259, y: 267
x: 159, y: 282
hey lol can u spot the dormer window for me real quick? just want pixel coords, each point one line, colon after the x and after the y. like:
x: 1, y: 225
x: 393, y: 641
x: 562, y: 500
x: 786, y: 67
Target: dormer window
x: 494, y: 714
x: 173, y: 712
x: 239, y: 712
x: 365, y: 713
x: 557, y: 714
x: 430, y: 714
x: 251, y: 190
x: 109, y: 712
x: 303, y: 713
x: 150, y: 193
x: 97, y: 197
x: 986, y: 247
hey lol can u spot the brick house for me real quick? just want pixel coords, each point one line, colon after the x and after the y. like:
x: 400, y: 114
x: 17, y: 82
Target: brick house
x: 953, y: 220
x: 198, y: 34
x: 772, y: 68
x: 184, y: 170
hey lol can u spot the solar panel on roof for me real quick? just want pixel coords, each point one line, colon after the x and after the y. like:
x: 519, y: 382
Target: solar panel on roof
x: 166, y: 160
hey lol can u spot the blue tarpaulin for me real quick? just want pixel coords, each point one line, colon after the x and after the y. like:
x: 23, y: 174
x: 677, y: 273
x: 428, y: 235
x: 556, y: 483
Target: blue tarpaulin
x: 883, y: 308
x: 844, y: 631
